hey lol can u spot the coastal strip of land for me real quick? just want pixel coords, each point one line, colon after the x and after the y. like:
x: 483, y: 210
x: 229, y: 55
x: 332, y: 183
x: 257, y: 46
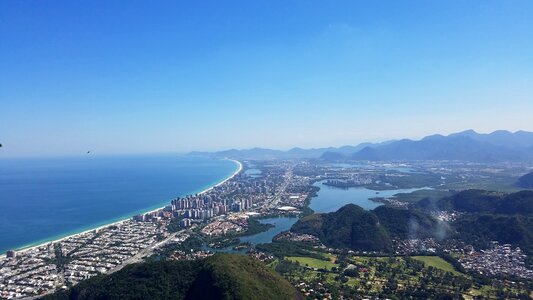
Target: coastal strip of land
x: 230, y: 207
x: 97, y: 228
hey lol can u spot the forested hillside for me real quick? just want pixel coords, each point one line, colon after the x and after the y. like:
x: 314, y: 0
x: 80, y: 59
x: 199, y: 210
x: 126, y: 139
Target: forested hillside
x: 222, y: 276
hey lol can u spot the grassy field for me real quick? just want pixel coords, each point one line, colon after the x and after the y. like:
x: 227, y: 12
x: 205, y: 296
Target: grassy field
x: 375, y: 272
x: 437, y: 262
x: 313, y: 262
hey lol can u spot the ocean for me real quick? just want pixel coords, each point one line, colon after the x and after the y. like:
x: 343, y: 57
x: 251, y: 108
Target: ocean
x: 42, y: 199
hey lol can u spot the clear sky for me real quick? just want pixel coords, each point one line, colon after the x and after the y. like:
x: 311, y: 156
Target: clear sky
x: 162, y: 76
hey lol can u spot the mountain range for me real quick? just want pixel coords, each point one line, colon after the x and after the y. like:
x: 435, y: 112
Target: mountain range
x: 498, y: 146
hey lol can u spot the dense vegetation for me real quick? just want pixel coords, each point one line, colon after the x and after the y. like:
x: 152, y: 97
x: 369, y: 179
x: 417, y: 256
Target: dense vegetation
x: 480, y: 230
x: 481, y: 201
x: 254, y: 227
x: 222, y: 276
x: 402, y: 277
x: 354, y: 228
x: 192, y: 243
x: 526, y: 181
x: 409, y: 224
x: 282, y: 249
x: 350, y: 227
x: 488, y: 216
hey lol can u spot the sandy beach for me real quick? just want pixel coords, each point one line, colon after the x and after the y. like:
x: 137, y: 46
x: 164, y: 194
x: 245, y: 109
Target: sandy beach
x: 29, y: 248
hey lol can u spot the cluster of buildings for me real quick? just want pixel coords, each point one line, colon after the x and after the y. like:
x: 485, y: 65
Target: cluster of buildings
x: 350, y: 180
x: 315, y: 290
x: 223, y: 227
x: 42, y: 269
x: 296, y: 237
x: 445, y: 216
x: 261, y: 256
x: 28, y: 274
x: 415, y: 246
x: 241, y: 193
x: 499, y: 260
x: 182, y: 255
x: 392, y: 202
x: 104, y: 250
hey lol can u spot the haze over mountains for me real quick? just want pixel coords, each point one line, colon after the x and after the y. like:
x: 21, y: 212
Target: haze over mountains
x: 498, y: 146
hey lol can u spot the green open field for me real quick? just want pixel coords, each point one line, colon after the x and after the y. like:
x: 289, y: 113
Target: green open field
x: 313, y: 262
x: 437, y: 262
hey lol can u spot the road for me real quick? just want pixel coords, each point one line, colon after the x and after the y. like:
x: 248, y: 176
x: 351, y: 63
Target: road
x: 144, y: 253
x: 277, y: 198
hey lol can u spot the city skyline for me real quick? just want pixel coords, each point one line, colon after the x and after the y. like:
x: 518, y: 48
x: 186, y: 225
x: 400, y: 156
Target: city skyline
x: 115, y: 78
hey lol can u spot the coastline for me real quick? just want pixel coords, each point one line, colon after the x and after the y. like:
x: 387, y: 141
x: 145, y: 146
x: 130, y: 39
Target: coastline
x: 122, y: 219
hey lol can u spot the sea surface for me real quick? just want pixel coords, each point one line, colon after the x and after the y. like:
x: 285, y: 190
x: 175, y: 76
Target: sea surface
x: 45, y: 199
x: 331, y: 198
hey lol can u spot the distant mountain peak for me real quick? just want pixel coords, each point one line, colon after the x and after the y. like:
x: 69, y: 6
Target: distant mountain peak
x: 434, y: 137
x: 468, y: 145
x: 463, y: 146
x: 502, y: 131
x: 469, y: 133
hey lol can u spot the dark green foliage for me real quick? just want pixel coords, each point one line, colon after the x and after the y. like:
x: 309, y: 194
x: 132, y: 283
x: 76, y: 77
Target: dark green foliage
x: 154, y: 280
x: 480, y: 201
x: 60, y: 260
x: 283, y: 248
x: 517, y: 203
x: 193, y: 243
x: 418, y: 195
x: 174, y: 224
x: 351, y: 273
x: 254, y: 226
x: 526, y: 181
x: 350, y: 227
x: 479, y: 230
x: 466, y: 201
x: 287, y: 266
x: 222, y: 276
x: 404, y: 224
x: 354, y: 228
x: 233, y: 277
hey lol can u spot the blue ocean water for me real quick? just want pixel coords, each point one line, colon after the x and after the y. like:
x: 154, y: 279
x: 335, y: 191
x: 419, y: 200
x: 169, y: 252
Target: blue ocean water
x: 44, y: 199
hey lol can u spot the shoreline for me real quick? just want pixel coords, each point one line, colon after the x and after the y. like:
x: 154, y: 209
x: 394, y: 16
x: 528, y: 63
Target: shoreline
x: 122, y: 220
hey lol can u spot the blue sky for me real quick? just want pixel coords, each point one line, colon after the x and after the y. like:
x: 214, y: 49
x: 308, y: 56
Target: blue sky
x: 163, y: 76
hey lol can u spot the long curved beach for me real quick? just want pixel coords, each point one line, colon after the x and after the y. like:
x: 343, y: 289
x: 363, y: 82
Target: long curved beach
x: 125, y: 218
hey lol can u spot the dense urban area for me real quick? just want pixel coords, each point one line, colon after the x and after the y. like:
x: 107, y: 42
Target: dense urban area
x: 410, y: 262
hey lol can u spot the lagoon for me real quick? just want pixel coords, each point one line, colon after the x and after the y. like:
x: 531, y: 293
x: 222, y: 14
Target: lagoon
x: 331, y: 198
x: 265, y: 237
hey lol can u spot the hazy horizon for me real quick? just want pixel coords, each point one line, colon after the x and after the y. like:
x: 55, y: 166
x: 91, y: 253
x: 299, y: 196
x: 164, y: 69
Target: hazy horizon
x: 145, y: 77
x: 84, y: 153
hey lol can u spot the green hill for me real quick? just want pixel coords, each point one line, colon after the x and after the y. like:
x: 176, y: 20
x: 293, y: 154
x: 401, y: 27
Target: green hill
x: 354, y: 228
x: 526, y: 181
x: 409, y: 224
x: 508, y: 220
x: 222, y: 276
x: 350, y: 227
x: 481, y: 201
x: 480, y: 229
